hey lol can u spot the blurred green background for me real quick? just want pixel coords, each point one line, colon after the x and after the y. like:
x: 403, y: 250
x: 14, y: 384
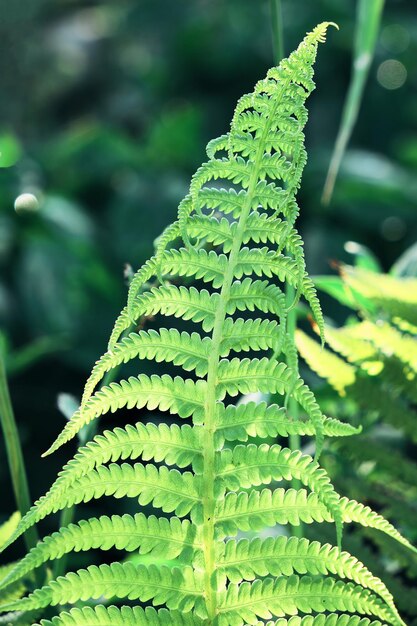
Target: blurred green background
x: 105, y: 110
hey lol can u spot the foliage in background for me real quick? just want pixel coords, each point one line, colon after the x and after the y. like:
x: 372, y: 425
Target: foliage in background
x: 20, y: 587
x: 100, y: 95
x: 197, y: 569
x: 107, y: 107
x: 372, y: 364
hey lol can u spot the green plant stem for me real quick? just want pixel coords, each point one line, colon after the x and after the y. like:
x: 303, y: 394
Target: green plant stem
x: 208, y: 483
x: 294, y: 440
x: 15, y: 455
x: 277, y: 30
x: 368, y: 21
x: 209, y: 495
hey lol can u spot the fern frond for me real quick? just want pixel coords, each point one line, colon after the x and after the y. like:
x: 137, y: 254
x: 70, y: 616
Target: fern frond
x: 266, y: 262
x: 268, y: 376
x: 286, y: 596
x: 327, y: 364
x: 387, y: 339
x: 187, y: 350
x: 373, y: 365
x: 167, y: 489
x: 238, y: 423
x: 260, y: 228
x: 247, y: 559
x: 170, y: 490
x: 356, y: 512
x: 259, y: 509
x: 173, y: 444
x: 246, y: 335
x: 159, y: 537
x: 146, y: 272
x: 235, y: 233
x: 13, y: 591
x: 248, y: 295
x: 327, y: 619
x: 228, y: 201
x: 183, y: 397
x: 310, y: 294
x: 353, y: 349
x: 196, y: 305
x: 200, y: 264
x: 177, y: 588
x: 385, y: 286
x: 8, y: 528
x: 130, y: 616
x: 251, y: 465
x: 182, y: 302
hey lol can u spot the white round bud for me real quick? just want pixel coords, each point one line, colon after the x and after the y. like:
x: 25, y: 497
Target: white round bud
x: 26, y: 203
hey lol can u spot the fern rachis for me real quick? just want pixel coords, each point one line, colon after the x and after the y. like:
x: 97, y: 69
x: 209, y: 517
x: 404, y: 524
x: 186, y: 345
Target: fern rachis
x: 224, y: 483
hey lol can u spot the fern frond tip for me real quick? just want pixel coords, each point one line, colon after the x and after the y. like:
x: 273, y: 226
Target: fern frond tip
x: 318, y: 34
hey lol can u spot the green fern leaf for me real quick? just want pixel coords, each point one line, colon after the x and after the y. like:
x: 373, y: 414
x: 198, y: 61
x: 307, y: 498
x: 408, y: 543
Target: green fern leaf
x: 257, y: 509
x: 129, y: 616
x: 158, y: 537
x: 356, y: 512
x: 248, y: 559
x: 185, y: 349
x: 286, y: 596
x: 328, y: 619
x: 13, y: 591
x: 177, y: 588
x: 182, y: 302
x: 8, y: 528
x: 327, y: 364
x: 248, y: 295
x: 238, y: 423
x: 251, y: 465
x: 183, y: 397
x: 268, y: 376
x: 246, y: 335
x: 235, y: 233
x: 172, y: 444
x: 167, y: 489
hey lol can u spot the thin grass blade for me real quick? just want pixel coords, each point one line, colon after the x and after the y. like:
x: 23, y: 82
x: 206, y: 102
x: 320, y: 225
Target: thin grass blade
x: 368, y: 22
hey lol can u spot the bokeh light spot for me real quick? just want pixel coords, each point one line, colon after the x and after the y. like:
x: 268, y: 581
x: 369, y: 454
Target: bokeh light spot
x: 393, y: 228
x: 395, y: 38
x: 391, y: 74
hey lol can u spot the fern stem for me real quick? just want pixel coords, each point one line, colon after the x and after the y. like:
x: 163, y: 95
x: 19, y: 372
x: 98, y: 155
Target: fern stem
x: 294, y: 440
x: 277, y: 30
x: 208, y: 486
x: 209, y: 496
x: 14, y: 454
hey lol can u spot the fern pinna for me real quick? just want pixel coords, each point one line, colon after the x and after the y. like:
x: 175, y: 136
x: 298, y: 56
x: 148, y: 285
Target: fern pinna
x: 203, y: 561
